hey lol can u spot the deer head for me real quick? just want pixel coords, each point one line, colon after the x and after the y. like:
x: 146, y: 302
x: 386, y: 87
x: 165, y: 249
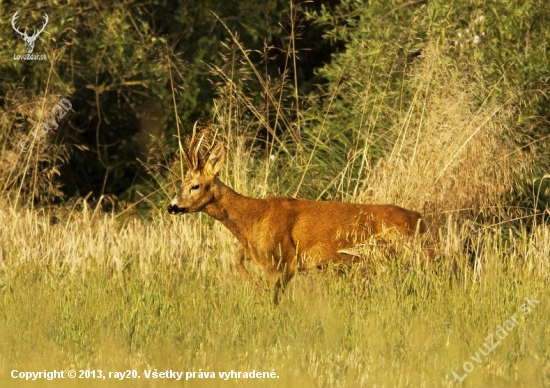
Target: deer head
x: 29, y: 40
x: 197, y: 188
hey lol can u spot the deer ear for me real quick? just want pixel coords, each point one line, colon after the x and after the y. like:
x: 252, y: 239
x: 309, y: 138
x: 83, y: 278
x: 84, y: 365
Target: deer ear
x: 215, y: 159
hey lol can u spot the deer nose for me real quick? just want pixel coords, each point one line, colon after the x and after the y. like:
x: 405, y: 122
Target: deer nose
x: 174, y: 209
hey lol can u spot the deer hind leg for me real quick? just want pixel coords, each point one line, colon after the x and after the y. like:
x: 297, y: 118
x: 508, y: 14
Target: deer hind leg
x: 429, y: 252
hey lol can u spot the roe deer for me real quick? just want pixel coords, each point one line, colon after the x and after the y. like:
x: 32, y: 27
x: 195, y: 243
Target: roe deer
x: 279, y: 233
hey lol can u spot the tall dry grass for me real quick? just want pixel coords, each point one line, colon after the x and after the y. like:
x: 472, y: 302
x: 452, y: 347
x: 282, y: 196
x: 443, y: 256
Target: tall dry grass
x: 454, y: 150
x: 84, y: 290
x: 29, y: 167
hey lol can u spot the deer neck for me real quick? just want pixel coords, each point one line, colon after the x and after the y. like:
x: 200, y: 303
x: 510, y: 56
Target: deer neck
x: 235, y: 211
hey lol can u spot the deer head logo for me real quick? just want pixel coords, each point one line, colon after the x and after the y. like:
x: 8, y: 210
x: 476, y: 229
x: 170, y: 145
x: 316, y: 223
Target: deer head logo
x: 29, y: 40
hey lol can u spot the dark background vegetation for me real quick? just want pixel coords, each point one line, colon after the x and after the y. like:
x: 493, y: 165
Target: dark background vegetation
x: 114, y: 61
x: 108, y: 57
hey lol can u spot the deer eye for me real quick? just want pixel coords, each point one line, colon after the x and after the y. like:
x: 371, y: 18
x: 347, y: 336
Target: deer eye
x: 195, y: 187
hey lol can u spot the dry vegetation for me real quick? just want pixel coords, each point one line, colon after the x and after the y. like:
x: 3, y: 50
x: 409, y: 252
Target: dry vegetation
x: 93, y: 292
x: 87, y: 290
x: 450, y: 152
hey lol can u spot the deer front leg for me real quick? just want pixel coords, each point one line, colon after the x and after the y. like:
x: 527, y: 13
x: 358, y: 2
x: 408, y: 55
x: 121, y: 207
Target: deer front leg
x: 239, y: 264
x: 240, y: 267
x: 289, y: 269
x: 280, y: 285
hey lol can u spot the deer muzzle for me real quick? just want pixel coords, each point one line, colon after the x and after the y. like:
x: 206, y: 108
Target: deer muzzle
x: 175, y: 209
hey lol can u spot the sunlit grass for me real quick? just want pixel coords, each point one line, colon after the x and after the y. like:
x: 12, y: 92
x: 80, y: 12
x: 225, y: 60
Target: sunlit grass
x: 94, y: 293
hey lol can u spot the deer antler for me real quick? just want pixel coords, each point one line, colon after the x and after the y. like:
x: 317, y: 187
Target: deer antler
x: 44, y: 24
x: 195, y: 160
x: 13, y: 19
x: 24, y: 34
x: 192, y: 156
x: 207, y: 154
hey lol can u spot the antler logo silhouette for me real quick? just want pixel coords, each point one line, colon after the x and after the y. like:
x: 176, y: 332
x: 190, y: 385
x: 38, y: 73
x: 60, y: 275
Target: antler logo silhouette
x: 29, y: 40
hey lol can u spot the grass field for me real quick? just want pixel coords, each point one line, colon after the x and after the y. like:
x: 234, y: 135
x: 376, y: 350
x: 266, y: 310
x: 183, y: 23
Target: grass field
x: 92, y: 293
